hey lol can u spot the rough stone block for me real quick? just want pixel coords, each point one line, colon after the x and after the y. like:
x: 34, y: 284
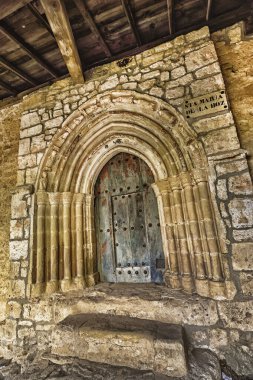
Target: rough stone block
x: 54, y: 123
x: 33, y: 131
x: 173, y: 93
x: 243, y: 235
x: 207, y: 85
x: 24, y: 147
x: 232, y: 166
x: 241, y: 211
x: 178, y: 72
x: 18, y: 288
x: 199, y: 58
x: 218, y: 338
x: 212, y: 123
x: 38, y: 143
x: 29, y: 120
x: 240, y: 184
x: 221, y: 140
x: 222, y: 189
x: 16, y: 229
x: 242, y: 256
x: 198, y: 35
x: 246, y: 281
x: 14, y: 309
x: 237, y: 315
x: 208, y: 70
x: 27, y: 161
x: 41, y: 312
x: 110, y: 83
x: 18, y: 249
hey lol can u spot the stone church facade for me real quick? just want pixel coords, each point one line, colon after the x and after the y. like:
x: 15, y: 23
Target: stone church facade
x: 57, y: 141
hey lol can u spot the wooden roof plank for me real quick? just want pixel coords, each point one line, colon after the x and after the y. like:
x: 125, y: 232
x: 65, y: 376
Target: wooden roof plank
x: 10, y: 6
x: 9, y: 66
x: 93, y: 27
x: 8, y: 88
x: 58, y: 19
x: 4, y: 29
x: 40, y: 18
x: 209, y: 9
x: 170, y: 6
x: 130, y: 18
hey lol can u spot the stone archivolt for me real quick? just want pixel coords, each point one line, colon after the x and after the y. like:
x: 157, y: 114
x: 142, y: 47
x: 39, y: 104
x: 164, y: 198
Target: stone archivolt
x: 124, y: 121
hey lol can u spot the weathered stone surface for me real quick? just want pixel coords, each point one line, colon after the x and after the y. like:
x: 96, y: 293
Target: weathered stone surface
x: 14, y: 309
x: 24, y: 147
x: 246, y: 281
x: 41, y: 312
x: 241, y: 211
x: 231, y: 167
x: 198, y: 34
x: 237, y: 315
x: 29, y: 120
x: 33, y: 131
x: 222, y: 189
x: 201, y: 57
x: 240, y: 184
x: 18, y: 249
x: 221, y: 140
x: 243, y: 235
x: 242, y: 256
x: 211, y: 123
x: 210, y: 84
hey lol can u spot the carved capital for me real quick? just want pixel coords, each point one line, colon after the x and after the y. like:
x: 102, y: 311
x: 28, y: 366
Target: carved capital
x: 41, y: 197
x: 200, y: 175
x: 186, y: 179
x: 54, y: 198
x: 175, y: 183
x: 78, y: 198
x: 66, y: 197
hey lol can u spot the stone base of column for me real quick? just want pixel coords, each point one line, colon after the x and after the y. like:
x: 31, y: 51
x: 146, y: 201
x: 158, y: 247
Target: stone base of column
x: 79, y: 283
x: 217, y: 290
x: 67, y: 285
x: 202, y: 287
x: 187, y: 284
x: 92, y: 279
x: 38, y: 289
x: 52, y: 287
x: 172, y: 280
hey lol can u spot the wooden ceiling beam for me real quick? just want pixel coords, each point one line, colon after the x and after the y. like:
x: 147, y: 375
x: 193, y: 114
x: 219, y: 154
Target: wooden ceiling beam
x: 9, y: 66
x: 208, y: 9
x: 93, y: 27
x: 8, y: 88
x: 170, y: 7
x: 58, y: 19
x: 129, y: 14
x: 4, y: 29
x: 10, y: 6
x: 40, y: 18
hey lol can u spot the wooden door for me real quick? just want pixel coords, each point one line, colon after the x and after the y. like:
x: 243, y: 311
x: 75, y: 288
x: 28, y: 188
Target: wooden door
x: 129, y: 243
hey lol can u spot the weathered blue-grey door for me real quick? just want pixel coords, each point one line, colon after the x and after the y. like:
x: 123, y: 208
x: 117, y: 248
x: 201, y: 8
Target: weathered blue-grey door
x: 129, y: 243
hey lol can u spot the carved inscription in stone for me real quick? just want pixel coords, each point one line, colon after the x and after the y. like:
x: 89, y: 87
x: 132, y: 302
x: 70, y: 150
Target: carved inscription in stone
x: 206, y: 104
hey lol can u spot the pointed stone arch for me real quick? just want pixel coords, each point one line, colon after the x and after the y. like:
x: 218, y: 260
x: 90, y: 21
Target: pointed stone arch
x: 64, y: 254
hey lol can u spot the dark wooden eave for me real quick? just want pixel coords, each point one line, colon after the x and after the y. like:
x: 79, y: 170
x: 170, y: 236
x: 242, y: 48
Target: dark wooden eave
x: 44, y: 40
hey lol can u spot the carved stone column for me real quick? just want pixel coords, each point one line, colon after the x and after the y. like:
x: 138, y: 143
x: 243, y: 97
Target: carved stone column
x: 171, y: 275
x: 217, y: 283
x: 53, y: 283
x: 90, y: 239
x: 79, y: 237
x: 66, y: 199
x: 41, y: 198
x: 186, y: 270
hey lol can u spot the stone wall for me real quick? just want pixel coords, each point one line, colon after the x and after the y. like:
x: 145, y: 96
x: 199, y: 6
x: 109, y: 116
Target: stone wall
x: 234, y: 51
x: 183, y: 68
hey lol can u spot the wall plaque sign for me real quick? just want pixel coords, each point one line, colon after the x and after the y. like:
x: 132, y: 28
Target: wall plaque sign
x: 206, y: 104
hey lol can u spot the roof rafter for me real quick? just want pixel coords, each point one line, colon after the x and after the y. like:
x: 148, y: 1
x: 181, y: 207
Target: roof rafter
x: 170, y: 6
x: 8, y: 88
x: 88, y: 18
x: 9, y: 66
x: 58, y: 19
x: 208, y: 10
x: 10, y: 6
x: 129, y: 14
x: 40, y: 18
x: 4, y: 29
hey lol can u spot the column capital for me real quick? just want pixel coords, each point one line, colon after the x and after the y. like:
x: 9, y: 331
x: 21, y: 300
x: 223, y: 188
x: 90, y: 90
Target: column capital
x: 175, y: 183
x: 186, y: 179
x: 54, y: 198
x: 78, y: 197
x: 161, y: 186
x: 42, y: 197
x: 66, y: 197
x: 200, y: 175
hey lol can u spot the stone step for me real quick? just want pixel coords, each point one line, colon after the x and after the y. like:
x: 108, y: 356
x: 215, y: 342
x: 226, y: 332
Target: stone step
x: 122, y: 341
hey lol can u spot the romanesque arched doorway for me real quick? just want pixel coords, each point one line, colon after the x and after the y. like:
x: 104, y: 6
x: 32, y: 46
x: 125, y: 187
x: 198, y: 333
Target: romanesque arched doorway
x: 128, y: 235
